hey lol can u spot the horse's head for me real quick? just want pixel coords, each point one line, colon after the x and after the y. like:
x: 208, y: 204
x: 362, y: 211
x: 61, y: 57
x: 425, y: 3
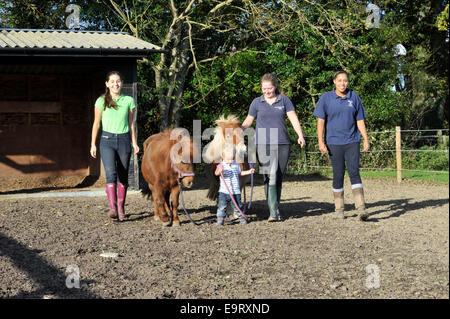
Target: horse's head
x: 229, y: 131
x: 182, y: 156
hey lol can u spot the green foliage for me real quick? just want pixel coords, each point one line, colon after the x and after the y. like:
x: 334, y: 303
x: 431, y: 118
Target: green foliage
x: 429, y: 177
x: 418, y: 153
x: 32, y: 14
x: 36, y: 14
x: 314, y: 39
x: 227, y: 86
x: 427, y: 158
x: 442, y: 20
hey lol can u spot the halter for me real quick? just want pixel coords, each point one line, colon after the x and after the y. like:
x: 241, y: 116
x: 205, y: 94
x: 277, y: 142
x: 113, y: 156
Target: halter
x: 181, y: 175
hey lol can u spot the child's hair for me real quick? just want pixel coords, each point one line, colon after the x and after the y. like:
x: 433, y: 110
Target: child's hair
x: 228, y: 149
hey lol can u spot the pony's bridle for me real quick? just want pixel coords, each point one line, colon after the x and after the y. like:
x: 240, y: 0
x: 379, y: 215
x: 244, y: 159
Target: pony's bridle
x: 181, y: 175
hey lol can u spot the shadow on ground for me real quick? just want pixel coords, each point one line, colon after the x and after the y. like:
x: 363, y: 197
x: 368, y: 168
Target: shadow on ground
x: 51, y: 280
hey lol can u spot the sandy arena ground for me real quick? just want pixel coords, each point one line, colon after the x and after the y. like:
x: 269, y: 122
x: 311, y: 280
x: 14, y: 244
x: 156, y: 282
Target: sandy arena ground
x: 308, y: 255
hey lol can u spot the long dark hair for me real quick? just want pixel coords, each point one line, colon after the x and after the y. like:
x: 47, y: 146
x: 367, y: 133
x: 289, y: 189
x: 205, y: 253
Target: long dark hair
x: 109, y: 102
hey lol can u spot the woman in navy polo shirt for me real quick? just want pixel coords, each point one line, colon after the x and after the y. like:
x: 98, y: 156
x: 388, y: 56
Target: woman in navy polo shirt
x: 342, y: 114
x: 272, y: 140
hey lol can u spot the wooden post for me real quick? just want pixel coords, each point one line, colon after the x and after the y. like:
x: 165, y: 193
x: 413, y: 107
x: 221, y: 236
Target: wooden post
x: 398, y: 153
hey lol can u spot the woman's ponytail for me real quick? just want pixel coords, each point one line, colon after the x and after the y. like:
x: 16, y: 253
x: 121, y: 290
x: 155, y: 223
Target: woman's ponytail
x: 109, y: 102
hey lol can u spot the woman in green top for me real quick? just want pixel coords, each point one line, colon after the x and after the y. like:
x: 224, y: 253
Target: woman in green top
x: 115, y: 112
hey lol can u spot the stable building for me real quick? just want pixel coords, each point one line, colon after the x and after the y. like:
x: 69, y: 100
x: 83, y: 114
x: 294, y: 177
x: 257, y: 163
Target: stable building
x: 49, y: 81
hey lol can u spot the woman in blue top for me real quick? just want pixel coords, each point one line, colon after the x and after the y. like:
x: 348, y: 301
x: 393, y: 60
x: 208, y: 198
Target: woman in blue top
x: 341, y: 113
x: 273, y: 145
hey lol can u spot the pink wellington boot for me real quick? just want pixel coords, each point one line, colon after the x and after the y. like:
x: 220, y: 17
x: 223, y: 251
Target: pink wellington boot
x: 111, y: 194
x: 121, y: 196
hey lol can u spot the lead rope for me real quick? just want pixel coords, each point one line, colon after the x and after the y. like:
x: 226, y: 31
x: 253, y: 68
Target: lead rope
x: 211, y: 220
x: 232, y: 198
x: 251, y: 189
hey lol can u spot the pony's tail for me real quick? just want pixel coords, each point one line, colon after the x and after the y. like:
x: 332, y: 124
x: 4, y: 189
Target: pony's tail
x: 146, y: 192
x: 214, y: 184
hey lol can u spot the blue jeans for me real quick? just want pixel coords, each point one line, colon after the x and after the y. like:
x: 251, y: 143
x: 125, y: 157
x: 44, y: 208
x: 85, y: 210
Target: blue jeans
x: 224, y: 199
x: 115, y: 150
x: 342, y: 155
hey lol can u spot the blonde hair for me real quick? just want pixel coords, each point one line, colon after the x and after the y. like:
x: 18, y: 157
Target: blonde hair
x: 228, y: 149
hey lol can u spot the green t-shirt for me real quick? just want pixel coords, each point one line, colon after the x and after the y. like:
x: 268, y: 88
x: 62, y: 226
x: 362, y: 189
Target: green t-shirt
x: 116, y: 121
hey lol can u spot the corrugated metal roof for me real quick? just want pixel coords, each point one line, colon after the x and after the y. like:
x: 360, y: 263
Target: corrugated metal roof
x: 69, y: 39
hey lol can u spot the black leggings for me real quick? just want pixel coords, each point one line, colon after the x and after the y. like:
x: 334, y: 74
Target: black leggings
x: 273, y: 159
x: 340, y: 156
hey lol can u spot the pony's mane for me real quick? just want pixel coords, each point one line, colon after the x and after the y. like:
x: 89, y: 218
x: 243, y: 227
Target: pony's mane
x: 214, y: 149
x: 230, y: 120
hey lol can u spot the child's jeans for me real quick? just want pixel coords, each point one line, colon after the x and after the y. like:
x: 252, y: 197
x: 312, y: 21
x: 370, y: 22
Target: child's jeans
x: 223, y: 203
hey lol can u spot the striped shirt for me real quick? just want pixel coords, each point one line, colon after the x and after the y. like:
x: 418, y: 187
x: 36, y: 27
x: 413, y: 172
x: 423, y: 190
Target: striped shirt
x: 231, y: 174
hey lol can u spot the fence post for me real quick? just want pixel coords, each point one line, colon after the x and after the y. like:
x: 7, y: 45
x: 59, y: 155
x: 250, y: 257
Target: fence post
x: 398, y: 153
x: 440, y: 138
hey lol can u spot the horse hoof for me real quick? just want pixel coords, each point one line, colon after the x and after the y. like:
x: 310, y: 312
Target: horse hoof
x: 176, y: 224
x: 156, y: 218
x: 167, y: 223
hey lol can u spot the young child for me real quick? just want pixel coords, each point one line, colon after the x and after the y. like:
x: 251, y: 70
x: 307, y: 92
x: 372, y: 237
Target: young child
x: 231, y: 172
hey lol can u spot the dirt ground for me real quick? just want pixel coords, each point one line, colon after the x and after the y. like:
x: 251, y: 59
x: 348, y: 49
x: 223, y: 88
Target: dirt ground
x: 308, y: 255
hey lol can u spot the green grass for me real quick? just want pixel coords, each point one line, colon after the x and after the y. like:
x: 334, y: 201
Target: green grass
x: 435, y: 178
x: 430, y: 177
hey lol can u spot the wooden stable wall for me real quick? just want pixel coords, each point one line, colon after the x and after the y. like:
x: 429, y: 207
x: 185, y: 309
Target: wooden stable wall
x: 44, y: 124
x: 46, y: 114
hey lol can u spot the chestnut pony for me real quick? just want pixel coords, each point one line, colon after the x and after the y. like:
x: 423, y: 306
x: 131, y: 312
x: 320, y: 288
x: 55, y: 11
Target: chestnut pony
x: 167, y: 162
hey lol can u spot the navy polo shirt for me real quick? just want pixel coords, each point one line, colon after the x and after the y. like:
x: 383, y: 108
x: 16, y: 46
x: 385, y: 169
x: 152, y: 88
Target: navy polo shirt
x: 340, y: 115
x: 271, y: 119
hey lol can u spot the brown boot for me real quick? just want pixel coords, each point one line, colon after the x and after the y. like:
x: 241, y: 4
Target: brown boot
x: 111, y: 194
x: 339, y: 204
x: 360, y: 205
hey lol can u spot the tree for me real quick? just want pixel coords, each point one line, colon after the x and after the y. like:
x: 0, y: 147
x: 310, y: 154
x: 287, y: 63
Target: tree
x: 442, y: 20
x: 216, y: 50
x: 192, y: 33
x: 36, y: 14
x: 331, y: 35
